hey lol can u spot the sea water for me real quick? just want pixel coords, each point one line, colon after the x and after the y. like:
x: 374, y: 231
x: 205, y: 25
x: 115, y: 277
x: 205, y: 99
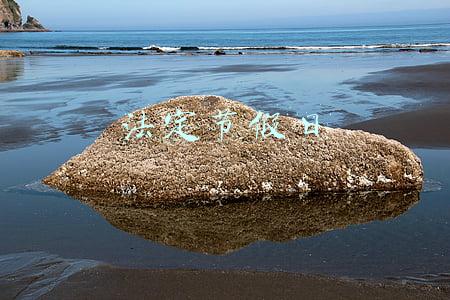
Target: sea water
x: 245, y: 41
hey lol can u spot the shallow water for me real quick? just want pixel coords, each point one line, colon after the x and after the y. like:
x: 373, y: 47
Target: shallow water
x: 52, y: 97
x: 36, y: 273
x: 55, y: 106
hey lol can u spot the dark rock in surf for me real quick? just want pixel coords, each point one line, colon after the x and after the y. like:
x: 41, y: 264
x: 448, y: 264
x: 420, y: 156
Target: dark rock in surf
x: 219, y: 52
x: 189, y: 48
x: 426, y: 50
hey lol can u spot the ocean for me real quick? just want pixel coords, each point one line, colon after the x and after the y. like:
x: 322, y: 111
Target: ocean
x: 264, y: 41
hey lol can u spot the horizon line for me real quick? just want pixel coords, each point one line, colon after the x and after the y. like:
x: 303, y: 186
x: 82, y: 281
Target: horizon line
x: 249, y: 28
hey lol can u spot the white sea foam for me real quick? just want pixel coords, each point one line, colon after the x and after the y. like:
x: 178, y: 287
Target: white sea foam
x: 164, y: 49
x: 301, y: 48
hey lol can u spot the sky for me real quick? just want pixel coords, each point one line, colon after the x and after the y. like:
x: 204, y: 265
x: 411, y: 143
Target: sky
x: 231, y: 14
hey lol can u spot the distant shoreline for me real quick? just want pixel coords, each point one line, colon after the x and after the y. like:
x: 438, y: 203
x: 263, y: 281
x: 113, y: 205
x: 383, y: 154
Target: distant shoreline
x: 133, y: 51
x: 25, y: 30
x: 347, y: 40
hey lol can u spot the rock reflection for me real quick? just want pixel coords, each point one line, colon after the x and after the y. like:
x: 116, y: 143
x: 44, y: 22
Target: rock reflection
x: 11, y: 69
x: 220, y: 229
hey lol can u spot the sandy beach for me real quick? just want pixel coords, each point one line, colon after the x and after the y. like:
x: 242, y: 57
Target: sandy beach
x: 114, y: 283
x: 341, y: 255
x: 423, y: 128
x: 427, y: 123
x: 224, y: 150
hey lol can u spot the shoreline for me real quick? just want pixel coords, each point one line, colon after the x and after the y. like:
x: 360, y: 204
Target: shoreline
x: 217, y: 51
x: 226, y: 52
x: 108, y: 282
x: 40, y: 275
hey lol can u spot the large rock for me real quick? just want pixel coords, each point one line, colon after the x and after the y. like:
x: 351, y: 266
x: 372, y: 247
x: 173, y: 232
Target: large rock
x: 33, y: 24
x: 10, y: 16
x: 152, y: 171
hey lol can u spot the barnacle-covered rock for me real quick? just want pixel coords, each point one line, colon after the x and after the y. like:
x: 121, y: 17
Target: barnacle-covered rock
x: 155, y: 168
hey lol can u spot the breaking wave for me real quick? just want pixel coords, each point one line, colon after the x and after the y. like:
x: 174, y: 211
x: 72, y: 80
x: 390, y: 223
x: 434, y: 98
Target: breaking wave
x: 423, y: 47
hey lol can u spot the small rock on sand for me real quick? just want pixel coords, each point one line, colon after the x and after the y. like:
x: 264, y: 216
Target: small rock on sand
x: 11, y: 53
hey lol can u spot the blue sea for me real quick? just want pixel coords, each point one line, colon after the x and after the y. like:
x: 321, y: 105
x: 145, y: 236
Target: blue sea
x: 56, y: 101
x: 286, y: 41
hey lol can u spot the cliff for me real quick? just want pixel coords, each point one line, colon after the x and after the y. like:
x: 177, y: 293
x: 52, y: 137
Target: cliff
x: 10, y: 15
x: 11, y: 18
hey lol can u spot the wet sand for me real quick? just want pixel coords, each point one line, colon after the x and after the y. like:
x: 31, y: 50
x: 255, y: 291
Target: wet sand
x: 113, y: 283
x: 427, y: 125
x: 423, y: 127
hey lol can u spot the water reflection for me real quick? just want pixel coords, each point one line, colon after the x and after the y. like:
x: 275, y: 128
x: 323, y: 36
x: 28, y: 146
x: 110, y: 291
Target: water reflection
x: 11, y: 69
x: 220, y: 229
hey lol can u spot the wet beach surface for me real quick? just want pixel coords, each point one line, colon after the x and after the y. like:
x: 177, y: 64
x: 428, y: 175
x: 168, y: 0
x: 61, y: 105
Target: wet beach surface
x: 424, y: 124
x: 47, y: 98
x: 53, y: 107
x: 112, y: 283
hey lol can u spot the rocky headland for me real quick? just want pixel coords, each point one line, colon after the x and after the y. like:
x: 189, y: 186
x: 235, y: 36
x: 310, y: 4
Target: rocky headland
x: 11, y: 18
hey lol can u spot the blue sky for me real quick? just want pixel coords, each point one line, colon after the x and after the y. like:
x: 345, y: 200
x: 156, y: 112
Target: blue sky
x: 204, y: 14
